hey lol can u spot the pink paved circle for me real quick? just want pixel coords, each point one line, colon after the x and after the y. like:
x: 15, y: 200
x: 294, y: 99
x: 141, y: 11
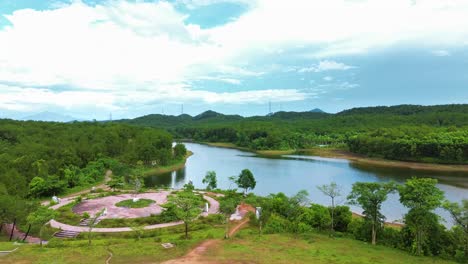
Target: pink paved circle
x: 95, y: 205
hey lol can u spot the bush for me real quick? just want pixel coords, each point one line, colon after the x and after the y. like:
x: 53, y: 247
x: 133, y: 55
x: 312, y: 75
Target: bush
x: 342, y: 218
x: 316, y: 216
x: 276, y: 224
x: 214, y: 219
x: 86, y: 215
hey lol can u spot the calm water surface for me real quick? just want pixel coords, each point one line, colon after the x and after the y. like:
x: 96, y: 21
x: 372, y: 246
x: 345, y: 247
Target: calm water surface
x: 292, y: 173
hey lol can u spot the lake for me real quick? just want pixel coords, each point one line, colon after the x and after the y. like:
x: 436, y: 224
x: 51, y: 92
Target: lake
x: 292, y: 173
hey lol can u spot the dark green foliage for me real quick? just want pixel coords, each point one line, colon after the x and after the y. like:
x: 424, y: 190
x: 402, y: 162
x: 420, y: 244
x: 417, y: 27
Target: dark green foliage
x: 370, y: 196
x: 421, y: 196
x: 41, y: 159
x: 343, y: 216
x: 406, y: 132
x: 246, y: 180
x: 210, y: 180
x: 185, y: 206
x: 179, y: 151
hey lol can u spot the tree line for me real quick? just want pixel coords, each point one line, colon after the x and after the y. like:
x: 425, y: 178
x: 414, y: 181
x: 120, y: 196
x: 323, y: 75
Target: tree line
x: 436, y: 134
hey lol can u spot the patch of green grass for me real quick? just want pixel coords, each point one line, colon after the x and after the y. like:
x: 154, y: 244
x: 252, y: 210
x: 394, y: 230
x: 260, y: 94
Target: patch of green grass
x: 124, y: 222
x: 7, y: 246
x: 248, y: 246
x: 138, y: 204
x: 67, y: 216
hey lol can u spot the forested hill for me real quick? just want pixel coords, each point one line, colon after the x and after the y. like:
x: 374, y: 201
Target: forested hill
x: 404, y: 132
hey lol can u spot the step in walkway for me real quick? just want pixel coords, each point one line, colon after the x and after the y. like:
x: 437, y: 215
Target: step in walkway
x: 66, y: 234
x: 86, y: 222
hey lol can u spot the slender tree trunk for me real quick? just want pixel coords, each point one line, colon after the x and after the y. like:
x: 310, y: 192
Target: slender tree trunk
x: 1, y: 227
x: 40, y: 235
x: 333, y: 217
x: 373, y: 233
x: 227, y: 227
x: 374, y: 229
x: 27, y: 233
x: 186, y: 230
x: 12, y: 229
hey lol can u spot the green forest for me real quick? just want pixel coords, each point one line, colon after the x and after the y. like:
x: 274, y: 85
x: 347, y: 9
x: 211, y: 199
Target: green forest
x: 41, y: 159
x: 434, y: 134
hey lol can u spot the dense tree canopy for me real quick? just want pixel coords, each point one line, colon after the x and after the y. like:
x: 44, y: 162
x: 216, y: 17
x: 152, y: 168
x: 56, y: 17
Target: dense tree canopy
x: 406, y: 132
x: 41, y: 159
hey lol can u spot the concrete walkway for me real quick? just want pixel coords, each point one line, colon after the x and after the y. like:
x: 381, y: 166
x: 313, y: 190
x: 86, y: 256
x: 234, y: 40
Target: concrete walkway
x: 213, y: 209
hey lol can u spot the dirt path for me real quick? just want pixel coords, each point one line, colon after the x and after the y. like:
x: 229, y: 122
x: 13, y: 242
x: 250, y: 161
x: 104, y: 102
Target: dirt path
x: 198, y: 253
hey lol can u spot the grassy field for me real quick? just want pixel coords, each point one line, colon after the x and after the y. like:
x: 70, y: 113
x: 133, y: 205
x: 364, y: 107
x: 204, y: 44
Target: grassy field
x: 124, y: 250
x: 247, y: 247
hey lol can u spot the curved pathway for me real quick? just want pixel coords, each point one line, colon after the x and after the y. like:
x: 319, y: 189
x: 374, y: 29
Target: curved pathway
x: 213, y: 209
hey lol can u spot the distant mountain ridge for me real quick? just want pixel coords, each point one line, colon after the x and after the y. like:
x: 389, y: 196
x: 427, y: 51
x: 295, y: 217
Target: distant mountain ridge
x: 49, y: 117
x: 426, y: 114
x: 317, y: 110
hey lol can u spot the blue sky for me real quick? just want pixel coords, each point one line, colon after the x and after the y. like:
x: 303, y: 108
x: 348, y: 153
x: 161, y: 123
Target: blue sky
x: 88, y: 59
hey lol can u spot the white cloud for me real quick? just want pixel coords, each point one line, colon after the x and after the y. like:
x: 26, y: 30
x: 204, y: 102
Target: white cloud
x: 441, y: 53
x: 118, y: 53
x: 335, y: 27
x: 326, y: 65
x: 328, y: 78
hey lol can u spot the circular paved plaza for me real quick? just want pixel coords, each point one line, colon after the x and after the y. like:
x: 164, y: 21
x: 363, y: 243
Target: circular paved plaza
x: 95, y: 205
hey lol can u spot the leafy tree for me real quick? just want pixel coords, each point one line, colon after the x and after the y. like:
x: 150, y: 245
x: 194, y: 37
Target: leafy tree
x: 246, y: 180
x: 72, y: 176
x: 459, y: 214
x: 331, y: 190
x: 39, y: 218
x: 228, y: 207
x: 115, y: 182
x: 370, y: 196
x: 37, y: 187
x: 139, y: 230
x: 210, y: 180
x: 186, y: 206
x: 180, y: 151
x: 91, y: 225
x: 421, y: 196
x: 316, y: 216
x: 343, y: 216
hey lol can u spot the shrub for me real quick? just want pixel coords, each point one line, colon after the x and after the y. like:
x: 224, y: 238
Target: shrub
x: 276, y: 224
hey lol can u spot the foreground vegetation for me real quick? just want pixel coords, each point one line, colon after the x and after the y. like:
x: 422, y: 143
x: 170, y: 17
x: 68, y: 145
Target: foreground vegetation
x: 125, y: 248
x: 249, y: 247
x: 40, y: 159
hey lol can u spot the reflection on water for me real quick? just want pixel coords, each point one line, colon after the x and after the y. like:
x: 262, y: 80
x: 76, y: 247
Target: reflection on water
x: 174, y: 180
x: 294, y: 173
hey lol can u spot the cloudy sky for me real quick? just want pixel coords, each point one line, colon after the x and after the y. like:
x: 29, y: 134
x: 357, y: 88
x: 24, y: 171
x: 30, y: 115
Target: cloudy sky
x: 88, y: 59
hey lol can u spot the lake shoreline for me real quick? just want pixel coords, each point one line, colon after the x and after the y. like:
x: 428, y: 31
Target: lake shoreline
x: 165, y: 169
x: 355, y: 158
